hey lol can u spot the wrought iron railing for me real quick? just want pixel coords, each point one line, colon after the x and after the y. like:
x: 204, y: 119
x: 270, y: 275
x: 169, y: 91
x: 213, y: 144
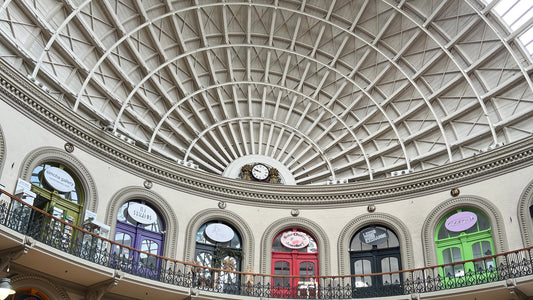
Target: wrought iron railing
x: 43, y: 227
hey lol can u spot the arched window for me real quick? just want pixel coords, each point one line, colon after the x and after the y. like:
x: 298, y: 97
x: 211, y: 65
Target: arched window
x: 218, y: 245
x: 295, y: 253
x: 375, y: 249
x: 463, y: 235
x: 58, y: 192
x: 141, y: 227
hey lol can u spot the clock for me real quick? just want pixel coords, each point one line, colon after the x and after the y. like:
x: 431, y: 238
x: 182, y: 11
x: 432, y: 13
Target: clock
x: 260, y: 172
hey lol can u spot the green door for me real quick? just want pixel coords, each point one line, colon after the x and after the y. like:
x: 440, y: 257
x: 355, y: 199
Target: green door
x: 64, y: 202
x: 68, y: 205
x: 472, y: 242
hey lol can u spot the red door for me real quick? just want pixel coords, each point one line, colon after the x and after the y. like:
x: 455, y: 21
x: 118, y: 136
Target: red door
x: 301, y: 261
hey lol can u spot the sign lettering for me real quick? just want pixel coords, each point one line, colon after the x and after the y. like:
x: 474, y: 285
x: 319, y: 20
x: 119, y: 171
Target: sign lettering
x: 141, y: 213
x: 373, y: 236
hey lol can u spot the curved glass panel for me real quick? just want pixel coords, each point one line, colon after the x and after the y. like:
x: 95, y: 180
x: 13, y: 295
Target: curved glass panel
x: 37, y: 178
x: 481, y: 224
x: 311, y: 247
x: 390, y: 241
x: 122, y: 216
x: 201, y: 237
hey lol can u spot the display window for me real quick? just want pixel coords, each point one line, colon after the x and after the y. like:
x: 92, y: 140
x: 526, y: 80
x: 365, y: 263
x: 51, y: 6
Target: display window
x: 139, y: 226
x: 294, y: 253
x: 375, y: 249
x: 58, y: 192
x: 464, y: 235
x: 218, y: 245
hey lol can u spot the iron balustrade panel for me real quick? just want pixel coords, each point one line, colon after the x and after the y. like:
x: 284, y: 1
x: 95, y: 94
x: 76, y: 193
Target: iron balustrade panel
x: 43, y: 227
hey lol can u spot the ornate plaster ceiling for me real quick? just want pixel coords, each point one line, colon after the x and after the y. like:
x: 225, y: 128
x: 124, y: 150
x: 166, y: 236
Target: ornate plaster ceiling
x: 332, y: 90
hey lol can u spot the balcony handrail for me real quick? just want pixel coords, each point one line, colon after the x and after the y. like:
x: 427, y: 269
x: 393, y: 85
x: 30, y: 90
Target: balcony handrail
x: 404, y: 274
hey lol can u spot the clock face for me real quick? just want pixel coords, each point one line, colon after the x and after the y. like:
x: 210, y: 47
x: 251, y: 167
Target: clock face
x: 260, y: 172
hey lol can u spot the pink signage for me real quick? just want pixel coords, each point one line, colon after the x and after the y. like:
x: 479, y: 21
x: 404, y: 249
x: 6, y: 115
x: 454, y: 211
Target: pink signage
x: 294, y: 240
x: 461, y: 221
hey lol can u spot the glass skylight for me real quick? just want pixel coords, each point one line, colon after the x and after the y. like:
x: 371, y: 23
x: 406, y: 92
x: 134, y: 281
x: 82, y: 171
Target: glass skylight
x: 518, y: 15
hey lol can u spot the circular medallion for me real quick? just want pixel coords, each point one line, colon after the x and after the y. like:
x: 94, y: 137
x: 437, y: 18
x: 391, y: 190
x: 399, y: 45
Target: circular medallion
x: 69, y: 147
x: 454, y: 192
x: 148, y: 184
x: 219, y: 232
x: 294, y: 239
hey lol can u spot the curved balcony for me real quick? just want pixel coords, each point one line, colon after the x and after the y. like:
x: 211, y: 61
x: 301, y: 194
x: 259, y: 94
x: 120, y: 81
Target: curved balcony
x: 502, y: 271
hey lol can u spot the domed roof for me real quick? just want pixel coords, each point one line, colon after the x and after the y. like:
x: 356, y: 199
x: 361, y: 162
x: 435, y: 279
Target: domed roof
x: 344, y: 90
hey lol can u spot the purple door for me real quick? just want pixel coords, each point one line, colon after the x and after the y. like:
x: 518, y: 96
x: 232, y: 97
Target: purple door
x: 148, y: 238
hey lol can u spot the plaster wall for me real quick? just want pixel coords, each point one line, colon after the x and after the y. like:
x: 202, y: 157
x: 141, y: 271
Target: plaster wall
x: 22, y: 136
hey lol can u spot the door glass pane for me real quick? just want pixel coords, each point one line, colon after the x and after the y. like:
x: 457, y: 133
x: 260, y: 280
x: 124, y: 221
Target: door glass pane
x: 390, y: 264
x: 363, y: 266
x: 487, y: 251
x: 204, y: 259
x: 482, y: 249
x: 229, y: 263
x: 124, y: 239
x: 307, y: 285
x: 152, y: 248
x: 307, y: 268
x: 281, y: 268
x: 476, y: 250
x: 451, y: 255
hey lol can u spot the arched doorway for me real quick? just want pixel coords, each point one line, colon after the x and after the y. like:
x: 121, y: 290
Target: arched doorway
x: 464, y: 234
x: 294, y: 253
x: 375, y: 249
x: 139, y: 226
x: 218, y: 245
x: 58, y: 191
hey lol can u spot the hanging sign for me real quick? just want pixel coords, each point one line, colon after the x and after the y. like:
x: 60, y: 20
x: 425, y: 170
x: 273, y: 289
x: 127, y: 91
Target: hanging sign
x: 373, y: 236
x: 461, y: 221
x: 219, y: 232
x: 59, y: 179
x: 141, y: 213
x: 294, y: 239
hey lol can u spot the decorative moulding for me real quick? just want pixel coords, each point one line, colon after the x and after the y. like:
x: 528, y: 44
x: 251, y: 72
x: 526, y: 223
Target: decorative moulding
x: 44, y: 110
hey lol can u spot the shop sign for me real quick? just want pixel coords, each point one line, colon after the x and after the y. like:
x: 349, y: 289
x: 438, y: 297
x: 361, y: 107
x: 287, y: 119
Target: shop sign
x: 219, y: 232
x: 461, y: 221
x: 59, y: 179
x: 141, y: 213
x: 373, y: 236
x: 294, y: 239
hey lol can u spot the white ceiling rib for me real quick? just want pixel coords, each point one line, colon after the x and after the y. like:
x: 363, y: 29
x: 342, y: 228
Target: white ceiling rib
x: 345, y: 89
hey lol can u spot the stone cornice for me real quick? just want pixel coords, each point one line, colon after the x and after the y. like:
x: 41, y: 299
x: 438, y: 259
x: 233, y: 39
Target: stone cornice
x: 39, y: 106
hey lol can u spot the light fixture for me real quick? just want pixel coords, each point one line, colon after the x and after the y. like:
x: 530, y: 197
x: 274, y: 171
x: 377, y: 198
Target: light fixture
x: 5, y: 288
